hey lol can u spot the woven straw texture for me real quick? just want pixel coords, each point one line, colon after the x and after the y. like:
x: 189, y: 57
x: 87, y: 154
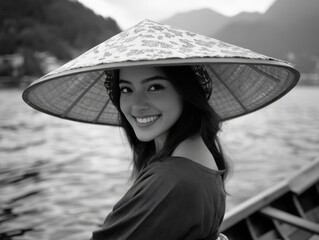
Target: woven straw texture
x: 243, y: 81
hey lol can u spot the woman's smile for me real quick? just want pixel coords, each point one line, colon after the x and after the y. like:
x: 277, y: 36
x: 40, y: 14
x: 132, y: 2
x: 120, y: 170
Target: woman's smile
x: 147, y: 119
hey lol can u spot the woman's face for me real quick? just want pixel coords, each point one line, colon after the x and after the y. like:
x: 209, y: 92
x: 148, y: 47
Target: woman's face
x: 149, y: 102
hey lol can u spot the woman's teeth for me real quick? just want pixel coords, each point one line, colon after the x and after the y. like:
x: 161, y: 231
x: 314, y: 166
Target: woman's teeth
x: 147, y: 119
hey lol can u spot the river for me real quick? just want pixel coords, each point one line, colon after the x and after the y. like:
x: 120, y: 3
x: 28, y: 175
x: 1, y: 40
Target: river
x: 59, y: 179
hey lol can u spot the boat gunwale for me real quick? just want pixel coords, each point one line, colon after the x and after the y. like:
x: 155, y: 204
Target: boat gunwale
x: 297, y: 184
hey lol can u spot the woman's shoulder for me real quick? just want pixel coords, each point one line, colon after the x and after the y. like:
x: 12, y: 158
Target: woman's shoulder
x: 180, y: 169
x: 175, y: 164
x: 170, y: 167
x: 173, y: 177
x: 181, y: 178
x: 167, y: 168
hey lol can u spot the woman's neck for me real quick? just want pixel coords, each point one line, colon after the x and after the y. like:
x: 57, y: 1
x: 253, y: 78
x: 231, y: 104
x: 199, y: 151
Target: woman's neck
x: 159, y: 143
x: 196, y: 150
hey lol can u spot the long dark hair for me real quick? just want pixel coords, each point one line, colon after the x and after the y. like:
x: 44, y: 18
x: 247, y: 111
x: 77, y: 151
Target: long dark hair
x: 197, y: 117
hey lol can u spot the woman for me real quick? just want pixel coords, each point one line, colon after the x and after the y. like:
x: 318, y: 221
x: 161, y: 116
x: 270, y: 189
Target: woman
x: 179, y: 188
x: 171, y: 113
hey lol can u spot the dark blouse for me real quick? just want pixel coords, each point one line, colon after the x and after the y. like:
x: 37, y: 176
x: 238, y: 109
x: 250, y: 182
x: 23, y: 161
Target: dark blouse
x: 175, y: 198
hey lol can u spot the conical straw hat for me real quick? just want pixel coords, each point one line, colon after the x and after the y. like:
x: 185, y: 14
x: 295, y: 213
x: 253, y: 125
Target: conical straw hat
x: 243, y: 81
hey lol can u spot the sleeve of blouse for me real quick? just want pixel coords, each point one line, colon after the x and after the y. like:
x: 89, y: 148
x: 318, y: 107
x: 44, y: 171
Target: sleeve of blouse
x: 161, y: 205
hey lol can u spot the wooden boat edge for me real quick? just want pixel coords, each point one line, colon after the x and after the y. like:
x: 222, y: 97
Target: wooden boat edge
x: 297, y: 183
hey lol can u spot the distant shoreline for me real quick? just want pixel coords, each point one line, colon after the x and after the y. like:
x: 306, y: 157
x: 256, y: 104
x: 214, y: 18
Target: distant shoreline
x: 309, y: 79
x: 306, y: 79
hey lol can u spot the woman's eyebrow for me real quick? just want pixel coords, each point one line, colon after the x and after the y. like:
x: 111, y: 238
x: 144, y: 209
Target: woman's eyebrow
x: 158, y: 77
x: 145, y: 80
x: 124, y: 81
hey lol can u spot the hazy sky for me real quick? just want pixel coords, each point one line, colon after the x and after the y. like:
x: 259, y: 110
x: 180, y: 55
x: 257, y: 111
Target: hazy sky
x: 129, y: 12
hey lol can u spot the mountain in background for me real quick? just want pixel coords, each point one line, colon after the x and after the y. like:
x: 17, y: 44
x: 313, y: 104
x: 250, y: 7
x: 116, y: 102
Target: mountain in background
x: 65, y: 28
x: 288, y: 30
x: 202, y: 21
x: 206, y: 21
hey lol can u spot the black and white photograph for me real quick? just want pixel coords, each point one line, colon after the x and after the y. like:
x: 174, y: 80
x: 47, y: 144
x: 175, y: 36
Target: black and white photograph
x: 159, y: 120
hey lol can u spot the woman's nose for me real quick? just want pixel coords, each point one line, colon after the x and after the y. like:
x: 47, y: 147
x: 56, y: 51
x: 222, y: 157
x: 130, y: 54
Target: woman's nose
x: 139, y: 101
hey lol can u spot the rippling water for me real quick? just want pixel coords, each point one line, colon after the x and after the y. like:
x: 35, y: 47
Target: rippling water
x: 59, y: 179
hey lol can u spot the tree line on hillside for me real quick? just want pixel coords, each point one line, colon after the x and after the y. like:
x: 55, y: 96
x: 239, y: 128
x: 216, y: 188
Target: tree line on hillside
x: 65, y: 28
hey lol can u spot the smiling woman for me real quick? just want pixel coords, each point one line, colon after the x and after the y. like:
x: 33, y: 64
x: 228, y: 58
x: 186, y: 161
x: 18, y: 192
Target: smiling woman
x: 178, y: 163
x: 170, y: 90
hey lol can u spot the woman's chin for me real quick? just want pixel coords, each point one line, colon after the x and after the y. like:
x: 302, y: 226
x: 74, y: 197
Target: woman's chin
x: 144, y: 138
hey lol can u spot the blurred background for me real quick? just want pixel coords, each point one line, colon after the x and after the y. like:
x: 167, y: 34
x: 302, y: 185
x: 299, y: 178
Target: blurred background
x: 59, y: 179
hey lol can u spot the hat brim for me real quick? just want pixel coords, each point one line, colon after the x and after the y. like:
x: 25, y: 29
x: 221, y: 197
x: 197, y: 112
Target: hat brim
x: 52, y: 94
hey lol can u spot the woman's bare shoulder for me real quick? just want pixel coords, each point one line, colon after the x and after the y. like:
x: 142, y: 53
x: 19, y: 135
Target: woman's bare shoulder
x: 196, y: 150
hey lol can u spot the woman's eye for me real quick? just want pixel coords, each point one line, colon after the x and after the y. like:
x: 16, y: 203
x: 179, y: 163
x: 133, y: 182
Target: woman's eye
x: 125, y: 90
x: 156, y: 87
